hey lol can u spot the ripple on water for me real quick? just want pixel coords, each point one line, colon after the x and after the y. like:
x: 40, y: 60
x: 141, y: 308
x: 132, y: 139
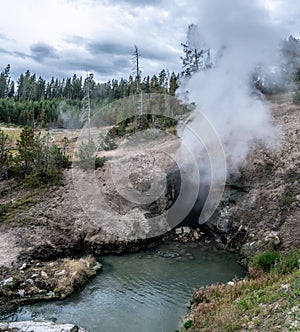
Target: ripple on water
x: 140, y: 292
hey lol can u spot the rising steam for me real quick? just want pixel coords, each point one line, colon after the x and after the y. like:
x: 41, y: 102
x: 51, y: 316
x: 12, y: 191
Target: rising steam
x: 242, y: 38
x: 243, y: 42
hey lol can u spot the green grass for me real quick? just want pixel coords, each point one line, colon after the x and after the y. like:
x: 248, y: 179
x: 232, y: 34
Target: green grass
x: 265, y: 301
x: 265, y: 260
x: 9, y: 209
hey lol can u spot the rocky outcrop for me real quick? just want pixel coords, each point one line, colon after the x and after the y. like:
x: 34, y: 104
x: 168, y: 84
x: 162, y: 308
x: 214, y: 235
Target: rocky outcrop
x: 36, y: 280
x: 261, y: 204
x: 33, y: 326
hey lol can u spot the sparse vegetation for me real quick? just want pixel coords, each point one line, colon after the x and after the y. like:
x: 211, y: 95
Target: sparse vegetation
x: 265, y: 260
x: 296, y: 98
x: 268, y: 300
x: 53, y: 280
x: 35, y: 158
x: 9, y: 209
x: 189, y: 323
x: 77, y: 272
x: 88, y: 160
x: 132, y: 125
x: 288, y: 197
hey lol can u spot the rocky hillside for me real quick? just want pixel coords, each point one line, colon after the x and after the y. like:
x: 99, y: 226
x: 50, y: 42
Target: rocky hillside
x: 261, y: 207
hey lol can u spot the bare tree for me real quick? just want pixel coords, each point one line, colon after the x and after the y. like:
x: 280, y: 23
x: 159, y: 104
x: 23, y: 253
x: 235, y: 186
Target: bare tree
x: 86, y: 102
x: 136, y: 68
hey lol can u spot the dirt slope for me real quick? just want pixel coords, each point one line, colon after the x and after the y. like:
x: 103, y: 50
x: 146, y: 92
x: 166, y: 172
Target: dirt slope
x: 263, y: 205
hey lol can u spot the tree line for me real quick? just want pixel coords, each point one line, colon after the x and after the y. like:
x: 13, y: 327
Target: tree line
x: 33, y: 100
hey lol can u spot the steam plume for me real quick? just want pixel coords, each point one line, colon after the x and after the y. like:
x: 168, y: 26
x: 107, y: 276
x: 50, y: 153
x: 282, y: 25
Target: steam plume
x: 242, y: 37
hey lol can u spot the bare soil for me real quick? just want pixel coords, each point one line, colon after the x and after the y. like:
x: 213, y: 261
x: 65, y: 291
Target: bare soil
x: 266, y: 208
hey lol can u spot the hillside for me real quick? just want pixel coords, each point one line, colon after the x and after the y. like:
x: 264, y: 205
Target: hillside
x: 42, y: 229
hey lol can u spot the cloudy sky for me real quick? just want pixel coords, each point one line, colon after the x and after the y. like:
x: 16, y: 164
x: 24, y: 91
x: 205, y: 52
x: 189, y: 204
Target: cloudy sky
x: 62, y: 37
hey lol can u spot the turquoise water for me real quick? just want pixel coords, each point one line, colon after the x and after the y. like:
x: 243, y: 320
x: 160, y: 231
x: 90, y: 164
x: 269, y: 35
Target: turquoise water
x: 146, y: 291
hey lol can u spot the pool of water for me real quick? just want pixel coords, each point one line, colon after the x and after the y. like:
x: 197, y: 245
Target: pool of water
x: 147, y: 291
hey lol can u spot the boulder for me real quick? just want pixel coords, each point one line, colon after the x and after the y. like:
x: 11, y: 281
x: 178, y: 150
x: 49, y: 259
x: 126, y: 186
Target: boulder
x: 33, y: 326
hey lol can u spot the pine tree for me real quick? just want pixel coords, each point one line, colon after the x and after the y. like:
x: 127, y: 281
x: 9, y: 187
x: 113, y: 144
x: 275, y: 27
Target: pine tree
x: 173, y: 84
x: 5, y: 82
x: 194, y: 59
x: 5, y: 157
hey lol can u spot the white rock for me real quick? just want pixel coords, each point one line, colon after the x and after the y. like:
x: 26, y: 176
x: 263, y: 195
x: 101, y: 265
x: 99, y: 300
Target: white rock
x: 85, y: 262
x: 44, y: 275
x: 60, y: 273
x: 34, y: 326
x: 196, y: 235
x: 23, y: 267
x: 21, y: 292
x: 230, y: 283
x: 97, y: 267
x: 29, y: 281
x: 34, y: 276
x: 178, y: 230
x: 285, y: 287
x: 50, y: 294
x: 9, y: 281
x: 186, y: 230
x: 272, y: 236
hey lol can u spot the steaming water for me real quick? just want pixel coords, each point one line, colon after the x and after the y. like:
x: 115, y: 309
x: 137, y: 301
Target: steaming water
x: 147, y: 291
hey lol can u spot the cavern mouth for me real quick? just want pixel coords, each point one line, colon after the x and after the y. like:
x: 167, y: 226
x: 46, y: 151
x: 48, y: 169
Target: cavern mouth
x: 174, y: 186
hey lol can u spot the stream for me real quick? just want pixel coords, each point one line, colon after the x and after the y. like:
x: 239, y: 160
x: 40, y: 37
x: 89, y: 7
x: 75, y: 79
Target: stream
x: 147, y: 291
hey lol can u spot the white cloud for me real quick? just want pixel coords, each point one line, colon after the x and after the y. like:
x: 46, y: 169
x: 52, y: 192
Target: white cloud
x: 66, y: 28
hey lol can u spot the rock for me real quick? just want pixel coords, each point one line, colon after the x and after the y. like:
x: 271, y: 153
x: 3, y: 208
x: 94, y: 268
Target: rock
x: 8, y: 282
x: 272, y: 237
x: 85, y: 262
x: 97, y: 267
x: 196, y: 235
x: 23, y: 267
x: 44, y: 275
x: 35, y: 275
x: 60, y: 273
x: 33, y: 326
x: 29, y: 281
x: 50, y: 294
x: 21, y: 292
x: 285, y: 287
x: 230, y: 283
x: 178, y: 230
x: 186, y: 230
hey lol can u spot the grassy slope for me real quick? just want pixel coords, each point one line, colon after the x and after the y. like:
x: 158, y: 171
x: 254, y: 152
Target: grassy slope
x: 267, y: 303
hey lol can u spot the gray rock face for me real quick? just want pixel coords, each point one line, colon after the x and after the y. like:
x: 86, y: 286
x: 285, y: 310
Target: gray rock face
x: 31, y: 326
